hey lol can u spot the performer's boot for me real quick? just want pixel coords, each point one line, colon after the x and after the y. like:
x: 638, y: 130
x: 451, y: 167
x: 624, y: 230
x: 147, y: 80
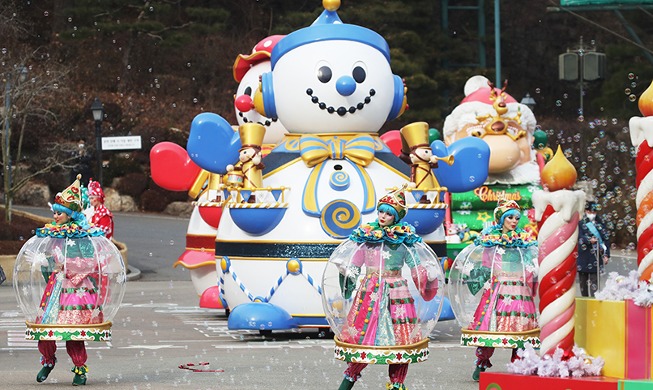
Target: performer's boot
x: 44, y: 372
x: 395, y: 386
x: 346, y: 384
x: 477, y: 373
x: 80, y: 375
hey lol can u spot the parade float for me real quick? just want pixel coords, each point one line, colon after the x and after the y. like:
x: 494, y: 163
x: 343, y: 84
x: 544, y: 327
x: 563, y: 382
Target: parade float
x: 331, y: 86
x: 588, y: 343
x: 507, y: 126
x: 206, y: 187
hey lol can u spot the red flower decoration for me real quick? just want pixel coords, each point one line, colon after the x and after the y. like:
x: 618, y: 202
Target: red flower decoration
x: 83, y: 333
x: 50, y: 333
x: 398, y: 355
x: 363, y: 355
x: 504, y: 341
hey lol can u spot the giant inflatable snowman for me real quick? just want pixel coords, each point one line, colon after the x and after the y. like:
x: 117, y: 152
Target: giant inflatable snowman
x: 332, y: 88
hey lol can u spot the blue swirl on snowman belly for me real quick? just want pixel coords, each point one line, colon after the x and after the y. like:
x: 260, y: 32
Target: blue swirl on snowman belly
x: 317, y: 193
x: 339, y: 180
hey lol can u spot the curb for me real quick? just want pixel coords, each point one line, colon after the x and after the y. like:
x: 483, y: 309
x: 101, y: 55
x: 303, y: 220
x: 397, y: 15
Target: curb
x: 133, y: 273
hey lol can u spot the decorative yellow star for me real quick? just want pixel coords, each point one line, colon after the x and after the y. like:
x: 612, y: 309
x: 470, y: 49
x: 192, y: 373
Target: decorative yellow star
x: 483, y: 216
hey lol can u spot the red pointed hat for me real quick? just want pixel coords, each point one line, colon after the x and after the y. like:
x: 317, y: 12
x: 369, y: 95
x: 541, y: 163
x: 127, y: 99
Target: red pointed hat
x: 261, y: 52
x: 94, y: 189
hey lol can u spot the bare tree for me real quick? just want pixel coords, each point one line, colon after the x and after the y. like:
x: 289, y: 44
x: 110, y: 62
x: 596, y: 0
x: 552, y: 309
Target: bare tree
x: 33, y: 84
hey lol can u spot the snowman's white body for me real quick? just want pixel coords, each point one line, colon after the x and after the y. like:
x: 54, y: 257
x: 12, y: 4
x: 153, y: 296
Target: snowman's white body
x: 281, y: 270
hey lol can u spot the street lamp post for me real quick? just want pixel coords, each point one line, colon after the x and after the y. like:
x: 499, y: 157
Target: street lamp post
x: 98, y: 114
x: 581, y: 64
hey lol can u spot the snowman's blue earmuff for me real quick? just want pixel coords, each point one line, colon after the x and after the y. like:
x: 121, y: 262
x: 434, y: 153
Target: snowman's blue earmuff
x: 267, y: 96
x: 399, y: 99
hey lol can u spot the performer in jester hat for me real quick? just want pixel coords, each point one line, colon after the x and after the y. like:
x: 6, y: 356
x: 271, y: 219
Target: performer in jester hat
x: 498, y: 275
x: 80, y: 278
x: 378, y: 315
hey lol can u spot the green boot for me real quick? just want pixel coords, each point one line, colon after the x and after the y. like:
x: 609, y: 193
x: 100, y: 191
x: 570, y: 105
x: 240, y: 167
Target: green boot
x: 395, y: 386
x: 80, y: 375
x: 346, y: 384
x: 45, y: 371
x: 477, y: 373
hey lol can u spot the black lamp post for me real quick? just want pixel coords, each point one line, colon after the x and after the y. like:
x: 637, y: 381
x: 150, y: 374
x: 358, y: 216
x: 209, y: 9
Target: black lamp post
x: 528, y: 101
x: 98, y: 114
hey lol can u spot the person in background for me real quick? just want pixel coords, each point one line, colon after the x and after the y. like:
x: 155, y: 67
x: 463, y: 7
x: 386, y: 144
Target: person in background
x: 101, y: 217
x: 593, y: 250
x: 83, y: 163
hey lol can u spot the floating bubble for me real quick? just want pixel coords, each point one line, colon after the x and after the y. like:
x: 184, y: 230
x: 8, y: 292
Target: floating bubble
x: 632, y: 98
x: 631, y: 76
x: 627, y: 91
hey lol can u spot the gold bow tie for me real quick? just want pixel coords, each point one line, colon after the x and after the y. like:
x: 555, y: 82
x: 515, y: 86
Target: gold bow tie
x: 314, y: 150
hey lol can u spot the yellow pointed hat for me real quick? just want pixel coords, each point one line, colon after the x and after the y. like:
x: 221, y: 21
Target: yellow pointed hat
x: 397, y: 200
x: 71, y: 197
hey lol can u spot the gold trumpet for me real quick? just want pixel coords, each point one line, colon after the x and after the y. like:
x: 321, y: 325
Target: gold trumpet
x: 448, y: 159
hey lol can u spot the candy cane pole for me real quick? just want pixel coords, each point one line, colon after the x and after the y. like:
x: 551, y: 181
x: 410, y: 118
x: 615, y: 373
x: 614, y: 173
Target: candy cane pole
x: 641, y: 136
x: 557, y: 214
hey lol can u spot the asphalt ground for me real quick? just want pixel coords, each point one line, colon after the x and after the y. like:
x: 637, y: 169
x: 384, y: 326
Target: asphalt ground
x: 160, y: 327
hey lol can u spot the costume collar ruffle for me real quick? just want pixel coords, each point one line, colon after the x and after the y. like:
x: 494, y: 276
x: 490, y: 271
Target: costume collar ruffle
x: 401, y: 233
x: 67, y: 230
x: 493, y: 236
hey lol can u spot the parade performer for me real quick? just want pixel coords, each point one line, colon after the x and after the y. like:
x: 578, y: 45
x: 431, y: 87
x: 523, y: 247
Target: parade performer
x: 79, y: 275
x: 383, y: 312
x: 500, y: 271
x: 101, y: 217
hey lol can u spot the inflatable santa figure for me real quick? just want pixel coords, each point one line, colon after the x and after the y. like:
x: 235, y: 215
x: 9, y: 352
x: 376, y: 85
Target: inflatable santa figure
x: 507, y: 126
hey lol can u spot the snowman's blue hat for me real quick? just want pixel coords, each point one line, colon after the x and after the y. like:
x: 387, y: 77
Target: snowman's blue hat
x: 329, y: 27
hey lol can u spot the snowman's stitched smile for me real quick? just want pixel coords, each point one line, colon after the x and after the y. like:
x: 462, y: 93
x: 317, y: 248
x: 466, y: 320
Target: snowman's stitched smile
x: 340, y: 110
x: 267, y: 123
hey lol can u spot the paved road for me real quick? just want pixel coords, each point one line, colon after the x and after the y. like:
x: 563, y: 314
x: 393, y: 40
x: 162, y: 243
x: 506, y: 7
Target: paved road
x: 160, y: 327
x: 154, y: 242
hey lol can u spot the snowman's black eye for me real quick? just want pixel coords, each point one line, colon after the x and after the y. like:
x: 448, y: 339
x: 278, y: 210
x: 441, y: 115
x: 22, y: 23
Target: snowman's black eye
x: 358, y: 74
x: 324, y: 74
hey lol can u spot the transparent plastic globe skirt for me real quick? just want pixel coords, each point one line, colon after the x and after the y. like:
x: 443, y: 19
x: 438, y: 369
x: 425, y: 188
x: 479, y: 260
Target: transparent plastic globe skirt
x: 382, y: 301
x: 69, y: 288
x: 493, y: 294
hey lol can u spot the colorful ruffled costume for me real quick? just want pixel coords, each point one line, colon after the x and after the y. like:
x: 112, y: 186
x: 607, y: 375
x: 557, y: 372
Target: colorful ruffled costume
x: 383, y: 311
x: 507, y: 303
x: 73, y: 282
x: 506, y: 276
